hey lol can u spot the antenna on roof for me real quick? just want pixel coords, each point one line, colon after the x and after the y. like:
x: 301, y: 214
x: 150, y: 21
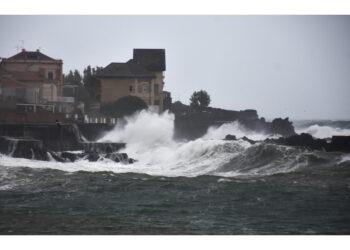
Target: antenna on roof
x: 22, y: 41
x: 20, y: 46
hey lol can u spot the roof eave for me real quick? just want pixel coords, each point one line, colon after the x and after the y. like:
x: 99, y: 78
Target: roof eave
x: 130, y: 76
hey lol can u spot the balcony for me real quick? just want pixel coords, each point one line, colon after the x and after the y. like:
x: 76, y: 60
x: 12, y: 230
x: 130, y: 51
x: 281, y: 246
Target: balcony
x: 62, y: 99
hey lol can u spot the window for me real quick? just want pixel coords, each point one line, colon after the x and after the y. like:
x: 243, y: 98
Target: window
x: 32, y: 56
x: 131, y: 89
x: 156, y: 89
x: 50, y: 75
x: 156, y: 102
x: 145, y: 88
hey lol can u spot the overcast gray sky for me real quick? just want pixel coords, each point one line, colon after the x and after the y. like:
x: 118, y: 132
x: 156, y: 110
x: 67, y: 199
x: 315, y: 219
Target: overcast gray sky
x: 283, y: 66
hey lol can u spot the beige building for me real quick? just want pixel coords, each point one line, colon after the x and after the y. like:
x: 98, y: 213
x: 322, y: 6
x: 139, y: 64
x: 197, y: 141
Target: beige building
x: 142, y: 76
x: 36, y: 70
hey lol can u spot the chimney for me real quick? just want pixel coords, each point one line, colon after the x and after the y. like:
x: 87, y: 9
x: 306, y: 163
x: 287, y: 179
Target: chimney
x: 38, y: 50
x: 23, y: 50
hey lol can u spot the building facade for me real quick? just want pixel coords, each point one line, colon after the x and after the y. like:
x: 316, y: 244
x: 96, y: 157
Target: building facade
x: 36, y: 70
x: 142, y: 76
x: 15, y: 91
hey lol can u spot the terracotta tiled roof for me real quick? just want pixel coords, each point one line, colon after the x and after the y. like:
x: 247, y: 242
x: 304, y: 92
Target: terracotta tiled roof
x: 30, y: 55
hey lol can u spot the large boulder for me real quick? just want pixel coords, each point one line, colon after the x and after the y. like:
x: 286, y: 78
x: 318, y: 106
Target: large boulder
x: 102, y: 147
x: 340, y: 143
x: 283, y: 127
x: 230, y: 137
x: 91, y: 156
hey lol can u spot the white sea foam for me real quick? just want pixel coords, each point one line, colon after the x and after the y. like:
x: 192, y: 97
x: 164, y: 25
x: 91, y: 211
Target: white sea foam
x: 6, y: 187
x: 235, y: 128
x: 344, y: 158
x: 323, y: 131
x: 149, y: 139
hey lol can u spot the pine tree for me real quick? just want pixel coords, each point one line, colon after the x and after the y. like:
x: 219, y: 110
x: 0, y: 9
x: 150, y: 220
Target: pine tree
x: 200, y: 99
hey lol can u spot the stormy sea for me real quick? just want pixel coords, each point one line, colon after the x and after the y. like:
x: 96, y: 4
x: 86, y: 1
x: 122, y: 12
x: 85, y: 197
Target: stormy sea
x: 204, y: 186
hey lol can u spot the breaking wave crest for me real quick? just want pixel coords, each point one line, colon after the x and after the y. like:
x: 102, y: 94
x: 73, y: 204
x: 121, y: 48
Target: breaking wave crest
x: 323, y: 131
x: 149, y: 139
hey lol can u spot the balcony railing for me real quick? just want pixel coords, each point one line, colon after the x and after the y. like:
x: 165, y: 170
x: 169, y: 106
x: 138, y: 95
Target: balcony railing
x: 66, y: 99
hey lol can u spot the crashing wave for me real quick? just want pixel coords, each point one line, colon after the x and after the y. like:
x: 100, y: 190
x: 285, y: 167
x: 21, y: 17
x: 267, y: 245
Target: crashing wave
x: 149, y: 139
x: 322, y: 132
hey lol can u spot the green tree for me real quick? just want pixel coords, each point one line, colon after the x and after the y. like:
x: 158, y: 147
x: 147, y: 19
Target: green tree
x: 73, y: 78
x: 200, y: 99
x: 82, y: 95
x: 124, y: 106
x: 87, y: 74
x: 88, y: 90
x: 77, y: 77
x: 91, y: 82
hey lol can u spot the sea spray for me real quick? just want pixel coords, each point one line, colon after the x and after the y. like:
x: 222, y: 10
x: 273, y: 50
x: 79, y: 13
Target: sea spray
x: 235, y: 128
x: 149, y: 140
x: 323, y: 131
x: 146, y: 128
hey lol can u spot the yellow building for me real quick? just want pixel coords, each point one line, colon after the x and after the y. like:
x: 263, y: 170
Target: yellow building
x: 142, y: 76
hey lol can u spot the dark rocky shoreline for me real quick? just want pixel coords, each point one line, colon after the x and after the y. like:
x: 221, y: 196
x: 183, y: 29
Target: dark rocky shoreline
x: 336, y: 143
x: 192, y: 123
x: 30, y: 148
x: 47, y: 141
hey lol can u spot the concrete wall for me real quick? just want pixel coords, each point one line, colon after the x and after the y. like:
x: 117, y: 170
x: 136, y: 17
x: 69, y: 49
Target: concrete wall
x: 48, y: 91
x: 65, y: 137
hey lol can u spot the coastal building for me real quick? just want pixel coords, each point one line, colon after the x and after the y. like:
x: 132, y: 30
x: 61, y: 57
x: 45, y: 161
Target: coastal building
x: 15, y: 91
x: 35, y: 70
x: 142, y: 76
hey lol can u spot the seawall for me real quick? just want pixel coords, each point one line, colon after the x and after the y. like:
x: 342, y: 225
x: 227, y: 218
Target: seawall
x: 53, y: 137
x: 39, y: 141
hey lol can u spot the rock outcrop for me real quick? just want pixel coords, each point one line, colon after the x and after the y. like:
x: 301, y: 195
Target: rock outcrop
x: 336, y: 143
x: 282, y: 127
x: 230, y: 138
x: 102, y: 147
x: 91, y: 156
x: 302, y: 140
x: 192, y: 123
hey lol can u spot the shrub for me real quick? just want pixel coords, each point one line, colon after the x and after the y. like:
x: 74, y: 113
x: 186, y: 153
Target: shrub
x: 123, y: 106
